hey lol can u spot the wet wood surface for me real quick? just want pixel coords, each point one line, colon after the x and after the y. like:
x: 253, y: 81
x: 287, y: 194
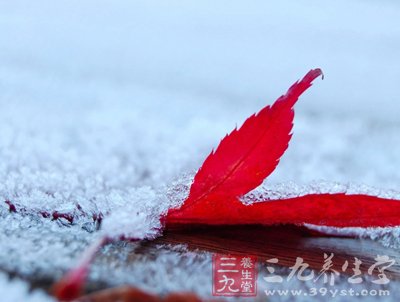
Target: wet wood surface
x: 286, y: 244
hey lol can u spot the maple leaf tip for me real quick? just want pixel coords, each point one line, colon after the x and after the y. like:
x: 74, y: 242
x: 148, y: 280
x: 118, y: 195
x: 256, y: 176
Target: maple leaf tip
x: 315, y: 73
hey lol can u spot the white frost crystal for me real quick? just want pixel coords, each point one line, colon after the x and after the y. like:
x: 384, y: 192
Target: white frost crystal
x: 17, y: 291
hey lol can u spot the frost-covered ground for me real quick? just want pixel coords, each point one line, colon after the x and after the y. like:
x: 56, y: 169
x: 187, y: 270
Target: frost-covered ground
x: 105, y: 103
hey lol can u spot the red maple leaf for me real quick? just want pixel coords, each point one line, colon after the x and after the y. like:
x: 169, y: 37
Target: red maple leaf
x: 241, y: 162
x: 246, y: 157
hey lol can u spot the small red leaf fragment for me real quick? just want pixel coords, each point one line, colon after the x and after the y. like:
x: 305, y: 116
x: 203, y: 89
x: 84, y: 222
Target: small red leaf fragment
x: 71, y: 285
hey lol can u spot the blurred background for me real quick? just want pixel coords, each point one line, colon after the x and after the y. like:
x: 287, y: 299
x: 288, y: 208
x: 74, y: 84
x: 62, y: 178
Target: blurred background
x: 182, y: 74
x: 98, y: 97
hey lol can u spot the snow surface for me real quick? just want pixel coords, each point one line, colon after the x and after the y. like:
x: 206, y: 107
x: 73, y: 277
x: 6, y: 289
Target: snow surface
x: 17, y: 291
x: 107, y: 104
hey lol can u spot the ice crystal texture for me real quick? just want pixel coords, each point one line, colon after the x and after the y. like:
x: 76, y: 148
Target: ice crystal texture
x: 17, y: 291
